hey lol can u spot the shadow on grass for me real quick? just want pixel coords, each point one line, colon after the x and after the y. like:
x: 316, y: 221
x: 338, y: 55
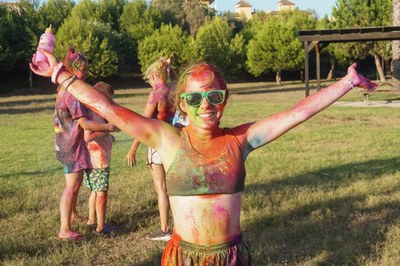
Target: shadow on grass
x: 338, y: 231
x: 28, y: 102
x: 129, y: 95
x: 125, y: 225
x: 20, y: 111
x: 32, y: 174
x: 344, y: 229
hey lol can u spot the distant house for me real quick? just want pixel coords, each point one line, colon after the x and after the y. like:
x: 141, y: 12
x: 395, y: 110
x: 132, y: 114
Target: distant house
x: 244, y: 9
x: 285, y: 5
x: 208, y: 3
x: 12, y: 6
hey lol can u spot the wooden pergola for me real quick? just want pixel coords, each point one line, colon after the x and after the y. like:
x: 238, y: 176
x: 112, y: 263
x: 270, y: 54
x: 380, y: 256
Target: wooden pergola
x: 312, y: 38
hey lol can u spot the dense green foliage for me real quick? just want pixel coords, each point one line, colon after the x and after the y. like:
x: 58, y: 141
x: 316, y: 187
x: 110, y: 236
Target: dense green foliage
x: 164, y: 41
x: 275, y: 46
x: 18, y: 39
x: 56, y: 11
x: 137, y: 21
x: 361, y: 13
x: 216, y: 43
x: 110, y: 32
x: 95, y: 39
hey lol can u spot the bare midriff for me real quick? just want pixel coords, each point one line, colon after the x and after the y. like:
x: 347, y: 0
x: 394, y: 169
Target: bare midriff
x: 207, y: 219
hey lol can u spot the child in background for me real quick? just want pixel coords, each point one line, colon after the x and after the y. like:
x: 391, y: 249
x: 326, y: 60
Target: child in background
x: 160, y: 76
x: 99, y: 145
x: 71, y: 119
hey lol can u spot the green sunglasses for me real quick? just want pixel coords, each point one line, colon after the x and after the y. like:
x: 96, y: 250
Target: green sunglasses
x: 195, y: 99
x: 80, y: 65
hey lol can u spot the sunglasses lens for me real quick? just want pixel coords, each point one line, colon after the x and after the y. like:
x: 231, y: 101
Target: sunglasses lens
x: 215, y: 97
x: 193, y: 99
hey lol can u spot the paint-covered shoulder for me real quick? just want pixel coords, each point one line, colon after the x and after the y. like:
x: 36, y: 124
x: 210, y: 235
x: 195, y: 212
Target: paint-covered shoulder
x: 240, y: 130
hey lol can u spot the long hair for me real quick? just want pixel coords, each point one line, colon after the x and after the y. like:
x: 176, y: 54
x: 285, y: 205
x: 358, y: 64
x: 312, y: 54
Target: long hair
x: 162, y: 68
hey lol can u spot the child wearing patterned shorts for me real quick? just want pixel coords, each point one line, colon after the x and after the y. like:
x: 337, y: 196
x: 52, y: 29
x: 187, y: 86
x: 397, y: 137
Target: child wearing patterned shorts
x: 99, y: 145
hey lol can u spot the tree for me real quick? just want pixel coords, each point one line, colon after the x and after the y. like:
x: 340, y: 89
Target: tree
x: 137, y: 21
x: 361, y: 13
x: 55, y: 11
x: 17, y: 40
x: 164, y: 41
x: 216, y: 43
x: 27, y: 9
x: 110, y: 11
x: 275, y: 45
x: 172, y: 12
x: 196, y: 14
x: 94, y: 38
x: 86, y: 10
x: 251, y: 27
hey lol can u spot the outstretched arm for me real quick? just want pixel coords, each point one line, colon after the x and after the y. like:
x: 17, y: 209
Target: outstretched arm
x: 151, y: 132
x: 266, y: 130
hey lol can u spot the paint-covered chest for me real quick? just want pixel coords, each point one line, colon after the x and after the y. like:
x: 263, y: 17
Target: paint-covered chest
x: 194, y: 174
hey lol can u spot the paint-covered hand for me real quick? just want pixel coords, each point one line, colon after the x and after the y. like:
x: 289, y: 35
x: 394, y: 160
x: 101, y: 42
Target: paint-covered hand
x: 113, y: 128
x: 359, y: 80
x: 44, y: 71
x: 130, y: 158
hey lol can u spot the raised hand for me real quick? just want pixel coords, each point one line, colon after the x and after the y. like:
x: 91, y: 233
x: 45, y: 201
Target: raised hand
x: 359, y: 80
x: 44, y: 71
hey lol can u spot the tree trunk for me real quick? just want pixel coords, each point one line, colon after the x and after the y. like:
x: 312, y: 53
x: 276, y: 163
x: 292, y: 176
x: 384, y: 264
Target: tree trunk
x: 30, y: 79
x: 331, y: 74
x: 379, y: 68
x: 278, y: 77
x: 396, y: 43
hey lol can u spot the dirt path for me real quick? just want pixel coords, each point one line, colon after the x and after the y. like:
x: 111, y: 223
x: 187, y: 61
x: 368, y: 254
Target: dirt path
x: 370, y: 104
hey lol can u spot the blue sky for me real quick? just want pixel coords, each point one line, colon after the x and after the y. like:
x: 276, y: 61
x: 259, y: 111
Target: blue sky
x: 322, y: 7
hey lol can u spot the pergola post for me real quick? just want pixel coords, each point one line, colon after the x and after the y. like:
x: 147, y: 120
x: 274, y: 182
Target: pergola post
x: 318, y: 62
x: 313, y: 37
x: 306, y: 69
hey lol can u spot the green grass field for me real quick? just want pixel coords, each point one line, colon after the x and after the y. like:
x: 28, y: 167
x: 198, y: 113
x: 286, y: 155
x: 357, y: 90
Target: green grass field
x: 326, y: 193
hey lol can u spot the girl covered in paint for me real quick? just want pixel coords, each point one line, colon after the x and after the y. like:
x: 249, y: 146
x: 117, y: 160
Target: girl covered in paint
x: 160, y: 76
x: 204, y: 162
x: 70, y: 119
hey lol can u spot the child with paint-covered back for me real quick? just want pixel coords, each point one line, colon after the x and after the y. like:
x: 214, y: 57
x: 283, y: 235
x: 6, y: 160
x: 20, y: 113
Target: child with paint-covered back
x: 99, y: 145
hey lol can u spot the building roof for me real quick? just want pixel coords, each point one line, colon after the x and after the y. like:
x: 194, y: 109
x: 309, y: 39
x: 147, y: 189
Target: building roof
x: 243, y: 4
x: 286, y: 3
x: 209, y: 1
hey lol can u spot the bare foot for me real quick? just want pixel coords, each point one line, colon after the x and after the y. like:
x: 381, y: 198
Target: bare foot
x: 78, y: 218
x: 70, y: 236
x: 91, y: 222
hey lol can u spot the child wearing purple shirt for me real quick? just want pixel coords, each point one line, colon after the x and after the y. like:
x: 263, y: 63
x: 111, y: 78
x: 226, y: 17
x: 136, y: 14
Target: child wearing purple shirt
x: 70, y: 121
